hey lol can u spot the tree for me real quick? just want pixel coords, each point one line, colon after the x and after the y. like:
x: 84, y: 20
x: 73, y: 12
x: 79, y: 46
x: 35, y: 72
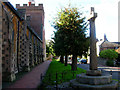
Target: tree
x: 58, y: 46
x: 49, y: 48
x: 109, y: 54
x: 70, y: 36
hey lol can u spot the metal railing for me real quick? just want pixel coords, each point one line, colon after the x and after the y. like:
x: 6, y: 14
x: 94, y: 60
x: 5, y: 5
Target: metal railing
x: 58, y: 78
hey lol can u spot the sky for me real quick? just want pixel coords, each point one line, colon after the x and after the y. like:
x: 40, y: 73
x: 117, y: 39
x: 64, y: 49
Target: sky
x: 106, y: 22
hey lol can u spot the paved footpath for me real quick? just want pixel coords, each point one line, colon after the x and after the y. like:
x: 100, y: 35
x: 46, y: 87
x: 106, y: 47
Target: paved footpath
x: 32, y: 79
x: 115, y: 70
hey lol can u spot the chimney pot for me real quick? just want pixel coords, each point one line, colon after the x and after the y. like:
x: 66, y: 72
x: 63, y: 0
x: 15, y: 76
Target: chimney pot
x: 29, y: 3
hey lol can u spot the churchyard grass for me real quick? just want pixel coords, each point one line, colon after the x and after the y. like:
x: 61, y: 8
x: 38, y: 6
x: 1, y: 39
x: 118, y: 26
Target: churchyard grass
x: 61, y: 70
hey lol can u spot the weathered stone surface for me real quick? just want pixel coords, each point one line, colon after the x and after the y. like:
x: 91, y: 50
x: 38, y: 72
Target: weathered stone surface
x: 94, y: 80
x: 76, y: 85
x: 12, y: 77
x: 20, y: 46
x: 93, y: 73
x: 93, y: 54
x: 65, y: 85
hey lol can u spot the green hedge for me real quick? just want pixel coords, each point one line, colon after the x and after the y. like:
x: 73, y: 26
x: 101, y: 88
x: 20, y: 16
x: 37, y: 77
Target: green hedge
x: 109, y: 54
x: 110, y: 63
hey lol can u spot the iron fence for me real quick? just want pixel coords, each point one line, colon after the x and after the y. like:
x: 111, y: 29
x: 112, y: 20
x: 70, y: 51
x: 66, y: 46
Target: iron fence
x: 57, y: 79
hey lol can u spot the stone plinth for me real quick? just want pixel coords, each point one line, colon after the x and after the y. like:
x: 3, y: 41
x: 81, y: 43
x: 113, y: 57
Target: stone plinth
x: 76, y: 85
x: 102, y: 82
x: 93, y: 73
x: 94, y: 80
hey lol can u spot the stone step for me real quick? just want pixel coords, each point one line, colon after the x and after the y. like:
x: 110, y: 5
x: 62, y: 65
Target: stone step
x: 94, y: 80
x: 111, y: 86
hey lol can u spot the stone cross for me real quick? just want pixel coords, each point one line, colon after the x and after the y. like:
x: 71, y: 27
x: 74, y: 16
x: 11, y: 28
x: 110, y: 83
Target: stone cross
x: 93, y: 56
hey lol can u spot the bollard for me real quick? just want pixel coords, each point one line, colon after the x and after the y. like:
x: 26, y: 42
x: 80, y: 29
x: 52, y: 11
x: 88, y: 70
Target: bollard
x: 111, y: 72
x: 41, y: 76
x: 118, y: 79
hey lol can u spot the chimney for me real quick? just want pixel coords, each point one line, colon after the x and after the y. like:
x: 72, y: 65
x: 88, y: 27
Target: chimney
x: 29, y: 3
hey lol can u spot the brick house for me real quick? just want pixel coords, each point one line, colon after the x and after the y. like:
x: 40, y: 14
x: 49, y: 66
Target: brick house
x: 21, y: 44
x: 108, y: 45
x: 105, y: 44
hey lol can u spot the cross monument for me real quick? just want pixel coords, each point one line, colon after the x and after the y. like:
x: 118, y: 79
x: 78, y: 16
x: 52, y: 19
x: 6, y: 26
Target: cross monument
x: 93, y: 56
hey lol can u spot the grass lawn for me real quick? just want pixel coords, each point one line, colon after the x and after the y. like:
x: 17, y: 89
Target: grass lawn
x: 64, y: 73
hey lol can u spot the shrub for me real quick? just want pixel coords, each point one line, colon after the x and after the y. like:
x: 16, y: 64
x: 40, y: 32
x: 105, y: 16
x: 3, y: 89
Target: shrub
x: 110, y: 63
x: 109, y: 54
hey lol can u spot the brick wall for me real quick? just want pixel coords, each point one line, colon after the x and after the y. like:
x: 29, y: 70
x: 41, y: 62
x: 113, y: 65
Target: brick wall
x: 8, y: 46
x: 36, y: 15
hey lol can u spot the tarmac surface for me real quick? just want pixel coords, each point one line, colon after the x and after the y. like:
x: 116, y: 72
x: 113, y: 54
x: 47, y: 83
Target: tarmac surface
x: 115, y: 71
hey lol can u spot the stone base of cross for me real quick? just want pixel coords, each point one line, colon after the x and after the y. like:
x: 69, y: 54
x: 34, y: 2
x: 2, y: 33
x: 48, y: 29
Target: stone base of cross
x: 93, y: 73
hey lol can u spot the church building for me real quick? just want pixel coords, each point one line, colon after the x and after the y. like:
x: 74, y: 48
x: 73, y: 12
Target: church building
x: 22, y: 38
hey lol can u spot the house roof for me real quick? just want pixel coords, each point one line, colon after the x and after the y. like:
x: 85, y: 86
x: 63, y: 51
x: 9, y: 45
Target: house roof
x: 117, y: 43
x: 108, y: 44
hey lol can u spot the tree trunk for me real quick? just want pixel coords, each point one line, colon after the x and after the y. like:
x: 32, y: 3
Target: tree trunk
x: 66, y: 59
x: 74, y: 63
x: 62, y: 59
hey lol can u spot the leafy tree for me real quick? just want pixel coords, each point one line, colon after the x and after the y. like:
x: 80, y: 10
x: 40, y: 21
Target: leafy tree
x: 109, y: 54
x: 58, y: 46
x: 70, y: 37
x: 49, y: 48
